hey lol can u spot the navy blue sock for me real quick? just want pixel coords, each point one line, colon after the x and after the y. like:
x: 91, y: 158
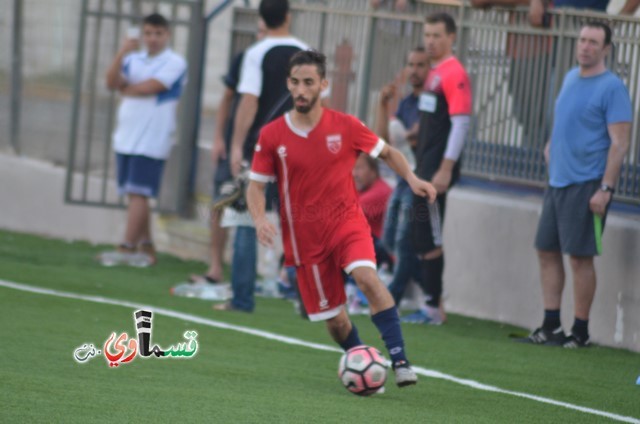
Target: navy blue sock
x: 352, y: 340
x: 388, y: 323
x: 581, y: 328
x: 551, y: 319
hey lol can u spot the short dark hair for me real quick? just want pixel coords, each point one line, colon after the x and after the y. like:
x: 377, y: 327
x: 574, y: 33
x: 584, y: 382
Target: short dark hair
x: 445, y: 18
x: 604, y: 27
x: 418, y: 49
x: 309, y: 57
x: 274, y: 12
x: 156, y: 20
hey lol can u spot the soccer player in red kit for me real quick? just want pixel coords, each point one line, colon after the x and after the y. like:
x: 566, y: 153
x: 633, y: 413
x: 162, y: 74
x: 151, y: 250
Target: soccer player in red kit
x: 311, y: 152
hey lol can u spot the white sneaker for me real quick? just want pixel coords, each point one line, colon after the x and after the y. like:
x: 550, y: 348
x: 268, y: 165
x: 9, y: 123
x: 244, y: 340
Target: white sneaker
x: 140, y: 260
x: 115, y: 257
x: 405, y: 375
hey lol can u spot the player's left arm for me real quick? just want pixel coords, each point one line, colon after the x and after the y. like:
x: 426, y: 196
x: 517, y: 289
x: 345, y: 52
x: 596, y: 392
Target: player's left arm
x: 620, y: 134
x: 365, y: 140
x: 398, y: 163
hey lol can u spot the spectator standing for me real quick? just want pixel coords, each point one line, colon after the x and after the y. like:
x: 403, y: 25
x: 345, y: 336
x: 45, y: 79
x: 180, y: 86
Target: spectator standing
x: 150, y: 82
x: 225, y: 118
x: 402, y: 132
x: 590, y: 137
x: 445, y: 109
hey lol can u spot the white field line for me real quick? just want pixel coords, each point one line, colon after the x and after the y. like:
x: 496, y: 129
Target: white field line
x: 293, y: 341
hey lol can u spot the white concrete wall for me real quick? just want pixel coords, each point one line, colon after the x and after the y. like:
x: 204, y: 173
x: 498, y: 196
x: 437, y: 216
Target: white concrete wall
x: 492, y: 270
x: 31, y: 201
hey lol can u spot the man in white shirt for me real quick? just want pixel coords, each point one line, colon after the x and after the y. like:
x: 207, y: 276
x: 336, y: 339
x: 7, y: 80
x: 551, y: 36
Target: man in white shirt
x: 151, y: 82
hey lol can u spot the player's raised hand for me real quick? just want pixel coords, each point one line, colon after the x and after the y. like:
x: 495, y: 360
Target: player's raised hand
x: 388, y: 92
x: 423, y: 188
x: 266, y: 232
x: 129, y: 45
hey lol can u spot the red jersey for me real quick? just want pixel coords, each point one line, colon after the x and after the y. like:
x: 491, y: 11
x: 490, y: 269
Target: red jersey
x: 374, y: 204
x: 318, y: 199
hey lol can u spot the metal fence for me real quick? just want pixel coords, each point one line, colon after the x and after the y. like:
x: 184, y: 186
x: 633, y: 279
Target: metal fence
x: 516, y: 72
x: 103, y: 26
x: 38, y: 38
x: 515, y: 69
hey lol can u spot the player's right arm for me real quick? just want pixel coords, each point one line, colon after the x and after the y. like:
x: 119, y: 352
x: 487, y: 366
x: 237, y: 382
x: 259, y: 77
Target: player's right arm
x: 256, y: 202
x: 115, y: 79
x: 263, y: 171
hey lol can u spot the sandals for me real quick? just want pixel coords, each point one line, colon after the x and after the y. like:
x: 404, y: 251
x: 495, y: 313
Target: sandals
x: 202, y: 278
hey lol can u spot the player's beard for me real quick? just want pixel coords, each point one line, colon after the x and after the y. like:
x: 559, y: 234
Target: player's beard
x: 306, y: 108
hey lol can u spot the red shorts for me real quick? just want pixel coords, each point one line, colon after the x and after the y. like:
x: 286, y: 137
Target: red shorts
x: 322, y: 285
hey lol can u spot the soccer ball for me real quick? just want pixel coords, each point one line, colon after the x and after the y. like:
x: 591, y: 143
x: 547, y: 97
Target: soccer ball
x: 362, y: 370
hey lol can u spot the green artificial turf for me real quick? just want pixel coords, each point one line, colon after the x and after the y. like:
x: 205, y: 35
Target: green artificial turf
x: 237, y: 377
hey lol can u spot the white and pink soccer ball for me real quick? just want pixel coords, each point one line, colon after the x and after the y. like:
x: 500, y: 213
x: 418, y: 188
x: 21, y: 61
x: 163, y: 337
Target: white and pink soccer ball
x: 362, y: 370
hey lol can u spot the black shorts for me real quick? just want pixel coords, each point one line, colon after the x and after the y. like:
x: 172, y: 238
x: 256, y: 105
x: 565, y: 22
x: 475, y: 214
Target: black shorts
x: 567, y: 223
x: 427, y: 221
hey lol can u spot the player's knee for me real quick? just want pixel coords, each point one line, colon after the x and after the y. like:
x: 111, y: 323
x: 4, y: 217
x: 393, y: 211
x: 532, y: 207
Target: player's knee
x: 367, y: 279
x: 549, y: 257
x: 581, y: 262
x: 137, y: 198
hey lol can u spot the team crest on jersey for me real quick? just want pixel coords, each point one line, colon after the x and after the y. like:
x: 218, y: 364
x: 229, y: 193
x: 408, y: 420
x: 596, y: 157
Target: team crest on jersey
x: 282, y: 151
x: 334, y: 143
